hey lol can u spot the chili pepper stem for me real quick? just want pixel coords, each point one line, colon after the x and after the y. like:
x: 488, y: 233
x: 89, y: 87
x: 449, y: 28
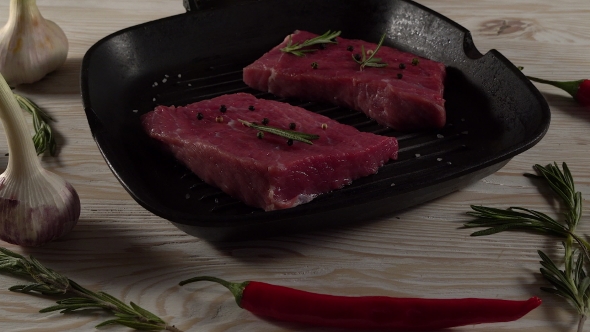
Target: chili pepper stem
x: 237, y: 289
x: 570, y: 87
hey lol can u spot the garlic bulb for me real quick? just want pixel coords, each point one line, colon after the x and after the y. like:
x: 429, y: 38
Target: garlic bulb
x: 36, y: 206
x: 30, y: 46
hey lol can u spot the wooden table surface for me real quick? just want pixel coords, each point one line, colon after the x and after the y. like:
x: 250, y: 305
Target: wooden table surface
x: 120, y: 248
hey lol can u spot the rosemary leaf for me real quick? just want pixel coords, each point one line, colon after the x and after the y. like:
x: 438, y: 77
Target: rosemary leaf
x: 146, y: 313
x: 107, y: 322
x: 583, y: 285
x: 299, y: 49
x: 111, y: 299
x: 370, y: 61
x: 67, y: 308
x: 7, y: 254
x: 34, y: 288
x: 507, y: 227
x: 286, y: 133
x: 513, y: 218
x: 561, y: 289
x: 138, y: 325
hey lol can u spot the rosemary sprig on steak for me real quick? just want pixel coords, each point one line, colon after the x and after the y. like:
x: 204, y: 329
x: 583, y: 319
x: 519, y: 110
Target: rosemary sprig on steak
x: 286, y: 133
x: 369, y: 60
x: 299, y: 49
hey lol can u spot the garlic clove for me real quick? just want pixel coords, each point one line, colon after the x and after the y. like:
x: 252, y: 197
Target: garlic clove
x: 36, y: 206
x: 30, y: 46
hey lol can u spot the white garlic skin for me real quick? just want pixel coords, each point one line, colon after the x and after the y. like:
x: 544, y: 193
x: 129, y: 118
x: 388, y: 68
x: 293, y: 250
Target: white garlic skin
x: 30, y: 46
x: 37, y: 209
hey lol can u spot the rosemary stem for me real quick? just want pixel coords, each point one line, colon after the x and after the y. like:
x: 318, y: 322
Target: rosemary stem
x: 104, y: 304
x: 581, y: 322
x: 172, y: 328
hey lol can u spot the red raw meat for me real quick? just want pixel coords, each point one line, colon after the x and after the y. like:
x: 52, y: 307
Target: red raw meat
x: 414, y: 101
x: 267, y: 172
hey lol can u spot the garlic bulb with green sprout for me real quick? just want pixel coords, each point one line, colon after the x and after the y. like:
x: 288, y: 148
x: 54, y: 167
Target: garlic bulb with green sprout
x: 36, y: 206
x: 30, y: 46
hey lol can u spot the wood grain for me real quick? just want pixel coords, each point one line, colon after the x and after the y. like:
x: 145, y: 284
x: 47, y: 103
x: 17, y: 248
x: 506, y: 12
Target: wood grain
x: 122, y: 249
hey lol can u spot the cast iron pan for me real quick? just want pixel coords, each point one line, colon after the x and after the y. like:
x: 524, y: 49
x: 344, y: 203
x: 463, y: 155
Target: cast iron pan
x: 494, y: 112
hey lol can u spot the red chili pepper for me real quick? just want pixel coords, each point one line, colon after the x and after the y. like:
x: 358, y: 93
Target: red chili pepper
x: 583, y: 94
x: 580, y: 89
x: 370, y: 312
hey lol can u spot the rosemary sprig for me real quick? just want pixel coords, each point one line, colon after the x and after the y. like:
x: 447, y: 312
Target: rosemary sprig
x: 562, y: 183
x: 49, y: 282
x: 571, y: 283
x: 370, y: 60
x: 298, y: 49
x: 286, y: 133
x: 43, y: 138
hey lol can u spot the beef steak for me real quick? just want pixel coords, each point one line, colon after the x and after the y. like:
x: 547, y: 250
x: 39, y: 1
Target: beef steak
x: 404, y: 95
x: 266, y: 172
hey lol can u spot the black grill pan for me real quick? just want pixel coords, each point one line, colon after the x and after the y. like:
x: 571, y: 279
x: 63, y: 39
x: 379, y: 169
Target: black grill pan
x: 494, y: 112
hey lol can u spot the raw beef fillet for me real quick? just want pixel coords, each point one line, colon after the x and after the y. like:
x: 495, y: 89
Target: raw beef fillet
x: 266, y: 172
x: 413, y: 100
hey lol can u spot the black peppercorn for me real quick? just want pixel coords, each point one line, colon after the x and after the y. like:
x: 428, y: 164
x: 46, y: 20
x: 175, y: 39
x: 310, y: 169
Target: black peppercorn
x: 222, y: 108
x: 290, y: 142
x: 357, y: 57
x: 400, y: 75
x: 199, y: 116
x: 322, y: 46
x: 251, y: 107
x: 402, y: 66
x: 265, y: 121
x: 260, y: 135
x: 350, y: 48
x: 292, y: 126
x: 314, y: 65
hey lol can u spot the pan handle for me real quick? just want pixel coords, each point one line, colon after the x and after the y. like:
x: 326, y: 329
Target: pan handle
x: 192, y: 5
